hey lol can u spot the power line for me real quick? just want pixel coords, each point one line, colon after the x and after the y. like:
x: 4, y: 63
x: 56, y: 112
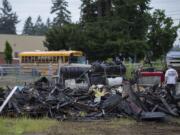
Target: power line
x: 173, y: 14
x: 176, y: 19
x: 172, y: 11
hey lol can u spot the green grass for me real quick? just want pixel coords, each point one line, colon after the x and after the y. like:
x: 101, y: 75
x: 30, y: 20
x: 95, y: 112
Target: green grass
x: 24, y: 125
x: 124, y: 126
x: 158, y: 64
x: 130, y: 68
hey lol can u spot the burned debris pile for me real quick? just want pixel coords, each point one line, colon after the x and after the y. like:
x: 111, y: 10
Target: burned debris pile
x: 89, y: 92
x: 42, y: 99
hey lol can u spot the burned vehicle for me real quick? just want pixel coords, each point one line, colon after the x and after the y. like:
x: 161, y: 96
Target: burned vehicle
x: 85, y: 75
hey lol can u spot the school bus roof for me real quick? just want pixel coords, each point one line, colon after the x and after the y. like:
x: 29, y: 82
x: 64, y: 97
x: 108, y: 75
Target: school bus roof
x: 51, y: 53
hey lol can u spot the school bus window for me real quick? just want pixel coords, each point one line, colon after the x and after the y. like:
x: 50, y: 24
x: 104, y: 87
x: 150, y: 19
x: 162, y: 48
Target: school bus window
x: 28, y: 59
x: 54, y: 59
x: 49, y: 59
x: 23, y: 59
x: 31, y: 59
x: 39, y: 59
x: 36, y: 59
x: 66, y: 59
x: 63, y: 59
x: 60, y: 59
x: 45, y: 59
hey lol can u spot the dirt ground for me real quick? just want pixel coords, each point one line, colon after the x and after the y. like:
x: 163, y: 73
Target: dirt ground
x: 113, y: 128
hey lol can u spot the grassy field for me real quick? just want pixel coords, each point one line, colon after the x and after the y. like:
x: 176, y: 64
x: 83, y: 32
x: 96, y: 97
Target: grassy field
x: 23, y: 125
x: 123, y: 126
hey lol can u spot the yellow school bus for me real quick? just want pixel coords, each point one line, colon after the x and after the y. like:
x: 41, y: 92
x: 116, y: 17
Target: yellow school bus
x: 42, y: 59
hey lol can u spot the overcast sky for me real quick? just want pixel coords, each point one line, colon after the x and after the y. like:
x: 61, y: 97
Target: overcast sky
x: 25, y: 8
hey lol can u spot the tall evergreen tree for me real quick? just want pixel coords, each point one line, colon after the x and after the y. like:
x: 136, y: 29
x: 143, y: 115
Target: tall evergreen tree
x: 28, y: 27
x: 119, y: 24
x: 8, y: 53
x: 39, y: 27
x: 92, y: 10
x: 38, y: 22
x: 104, y: 7
x: 48, y: 23
x: 63, y: 15
x: 8, y: 19
x: 134, y: 16
x: 88, y: 11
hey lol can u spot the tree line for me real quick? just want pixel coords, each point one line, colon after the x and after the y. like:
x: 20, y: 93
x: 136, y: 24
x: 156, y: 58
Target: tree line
x: 105, y: 29
x: 109, y: 27
x: 9, y: 19
x: 38, y: 28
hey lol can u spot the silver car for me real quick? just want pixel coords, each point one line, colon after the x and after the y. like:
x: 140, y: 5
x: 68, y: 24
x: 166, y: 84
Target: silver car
x: 173, y: 57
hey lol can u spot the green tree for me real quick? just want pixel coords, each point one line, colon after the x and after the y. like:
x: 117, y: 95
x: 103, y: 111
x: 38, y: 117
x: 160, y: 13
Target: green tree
x: 39, y: 27
x: 115, y: 26
x: 92, y: 10
x: 104, y: 8
x: 8, y: 53
x: 28, y: 27
x: 162, y: 33
x: 63, y: 15
x: 88, y: 11
x: 8, y: 19
x: 62, y: 37
x: 108, y: 27
x: 133, y: 16
x: 48, y: 23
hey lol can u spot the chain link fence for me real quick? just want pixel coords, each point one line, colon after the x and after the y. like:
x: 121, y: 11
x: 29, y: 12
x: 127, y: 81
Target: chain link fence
x: 11, y: 75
